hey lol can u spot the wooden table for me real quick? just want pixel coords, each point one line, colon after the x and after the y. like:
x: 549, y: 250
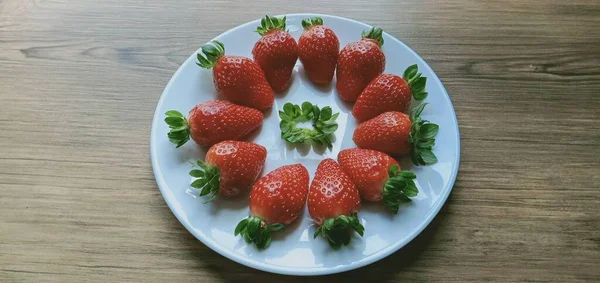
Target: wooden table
x: 79, y: 81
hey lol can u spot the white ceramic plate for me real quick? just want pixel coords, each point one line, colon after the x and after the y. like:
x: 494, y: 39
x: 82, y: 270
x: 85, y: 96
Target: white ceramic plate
x: 294, y: 251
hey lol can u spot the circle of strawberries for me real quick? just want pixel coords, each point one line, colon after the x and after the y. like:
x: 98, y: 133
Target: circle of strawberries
x: 367, y: 173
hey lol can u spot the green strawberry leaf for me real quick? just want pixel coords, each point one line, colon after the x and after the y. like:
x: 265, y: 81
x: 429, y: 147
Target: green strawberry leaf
x: 323, y: 122
x: 179, y: 132
x: 308, y: 23
x: 374, y: 33
x: 174, y: 113
x: 428, y: 131
x: 338, y: 230
x: 307, y: 109
x: 317, y: 232
x: 428, y: 157
x: 288, y: 109
x: 399, y: 188
x: 211, y: 53
x: 422, y: 138
x: 326, y: 113
x: 268, y: 23
x: 411, y: 71
x: 255, y: 230
x: 416, y: 82
x: 208, y: 180
x: 276, y: 226
x: 316, y: 112
x: 330, y: 128
x: 197, y: 173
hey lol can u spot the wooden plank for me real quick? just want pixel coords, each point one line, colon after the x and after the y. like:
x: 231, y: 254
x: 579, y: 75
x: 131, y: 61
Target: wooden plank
x: 79, y: 81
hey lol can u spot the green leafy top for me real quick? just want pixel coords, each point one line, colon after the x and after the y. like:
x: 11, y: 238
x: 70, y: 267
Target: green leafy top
x: 399, y: 188
x: 212, y: 52
x: 256, y: 231
x: 310, y: 22
x: 416, y: 82
x: 208, y: 180
x: 323, y: 122
x: 422, y: 138
x: 180, y: 129
x: 337, y: 230
x: 375, y: 33
x: 269, y: 23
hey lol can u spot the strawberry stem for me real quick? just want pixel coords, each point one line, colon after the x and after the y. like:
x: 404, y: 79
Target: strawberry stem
x: 311, y: 22
x: 399, y: 188
x: 422, y: 138
x: 375, y: 34
x: 212, y: 52
x: 179, y: 127
x: 269, y: 23
x: 337, y: 230
x: 208, y: 180
x: 255, y: 230
x: 416, y: 82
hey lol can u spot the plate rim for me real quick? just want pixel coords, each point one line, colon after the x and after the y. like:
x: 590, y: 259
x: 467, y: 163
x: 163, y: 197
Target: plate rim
x: 301, y: 271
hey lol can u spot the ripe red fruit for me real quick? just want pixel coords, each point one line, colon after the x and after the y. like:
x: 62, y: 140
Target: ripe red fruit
x: 230, y: 168
x: 238, y: 79
x: 397, y: 133
x: 389, y: 92
x: 210, y: 122
x: 276, y: 200
x: 377, y: 177
x: 318, y: 49
x: 359, y: 63
x: 333, y: 203
x: 276, y: 52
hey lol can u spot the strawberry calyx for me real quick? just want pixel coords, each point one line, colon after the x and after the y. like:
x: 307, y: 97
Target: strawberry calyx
x: 179, y: 132
x: 212, y: 52
x: 207, y: 179
x: 311, y: 22
x: 323, y: 122
x: 255, y: 230
x: 268, y: 23
x: 337, y: 230
x: 399, y: 188
x: 422, y: 138
x: 375, y: 33
x: 416, y: 82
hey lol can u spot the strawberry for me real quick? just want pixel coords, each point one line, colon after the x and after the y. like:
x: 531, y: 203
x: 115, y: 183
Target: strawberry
x: 333, y: 203
x: 389, y: 92
x: 238, y: 79
x: 276, y: 200
x: 211, y: 122
x: 318, y: 49
x: 276, y: 52
x: 397, y: 133
x: 230, y: 167
x: 378, y: 177
x: 359, y: 63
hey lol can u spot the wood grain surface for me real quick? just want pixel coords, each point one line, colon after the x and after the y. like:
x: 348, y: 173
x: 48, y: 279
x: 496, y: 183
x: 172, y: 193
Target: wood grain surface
x: 79, y: 81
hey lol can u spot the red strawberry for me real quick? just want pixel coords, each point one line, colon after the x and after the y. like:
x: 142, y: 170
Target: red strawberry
x: 333, y: 203
x: 318, y: 49
x: 211, y: 122
x: 397, y: 133
x: 238, y: 79
x: 276, y: 200
x: 378, y: 177
x: 276, y: 52
x: 230, y: 167
x: 359, y: 63
x: 389, y: 92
